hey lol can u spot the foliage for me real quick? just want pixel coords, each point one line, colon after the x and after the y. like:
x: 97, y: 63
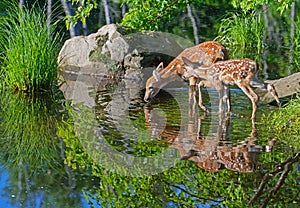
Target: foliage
x: 29, y: 50
x: 253, y: 5
x: 149, y: 15
x: 83, y: 10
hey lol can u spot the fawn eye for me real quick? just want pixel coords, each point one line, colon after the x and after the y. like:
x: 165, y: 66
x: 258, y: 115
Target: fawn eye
x: 150, y: 88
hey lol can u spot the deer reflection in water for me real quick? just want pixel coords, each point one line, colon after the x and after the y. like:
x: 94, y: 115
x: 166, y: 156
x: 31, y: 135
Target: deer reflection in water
x: 211, y: 152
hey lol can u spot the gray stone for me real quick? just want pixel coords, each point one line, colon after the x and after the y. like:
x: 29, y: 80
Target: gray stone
x: 114, y: 48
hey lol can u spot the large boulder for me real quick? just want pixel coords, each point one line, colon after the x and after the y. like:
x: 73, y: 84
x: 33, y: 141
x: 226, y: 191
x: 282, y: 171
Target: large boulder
x: 114, y: 48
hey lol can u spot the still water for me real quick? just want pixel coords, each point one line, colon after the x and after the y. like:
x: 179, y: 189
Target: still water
x: 100, y: 145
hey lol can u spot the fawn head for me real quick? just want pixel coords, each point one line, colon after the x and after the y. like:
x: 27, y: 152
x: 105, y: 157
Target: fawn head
x: 154, y: 83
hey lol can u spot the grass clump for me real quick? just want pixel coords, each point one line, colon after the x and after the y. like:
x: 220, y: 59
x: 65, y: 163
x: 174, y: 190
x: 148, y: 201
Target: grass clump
x: 284, y: 124
x: 28, y: 49
x: 242, y: 33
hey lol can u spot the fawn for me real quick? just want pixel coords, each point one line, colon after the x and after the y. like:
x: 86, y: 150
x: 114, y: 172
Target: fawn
x: 206, y: 52
x: 241, y: 72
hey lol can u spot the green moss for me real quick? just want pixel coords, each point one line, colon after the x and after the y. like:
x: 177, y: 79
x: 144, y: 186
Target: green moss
x: 98, y: 56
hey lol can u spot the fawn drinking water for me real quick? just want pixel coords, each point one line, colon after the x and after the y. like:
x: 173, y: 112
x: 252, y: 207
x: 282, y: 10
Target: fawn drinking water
x: 206, y: 52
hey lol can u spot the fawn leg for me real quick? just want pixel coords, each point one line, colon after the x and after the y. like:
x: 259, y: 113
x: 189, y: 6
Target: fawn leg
x: 222, y: 96
x: 273, y: 92
x: 200, y: 103
x: 227, y: 97
x: 251, y: 95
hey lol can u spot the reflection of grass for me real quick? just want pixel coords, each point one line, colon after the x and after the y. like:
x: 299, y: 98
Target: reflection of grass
x: 28, y: 49
x: 241, y: 33
x: 285, y: 123
x: 28, y: 136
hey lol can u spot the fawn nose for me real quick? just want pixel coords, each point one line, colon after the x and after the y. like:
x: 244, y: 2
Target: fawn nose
x: 146, y: 99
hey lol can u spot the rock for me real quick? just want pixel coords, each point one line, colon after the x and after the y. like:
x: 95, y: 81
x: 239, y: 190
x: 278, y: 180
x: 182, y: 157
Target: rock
x: 114, y: 48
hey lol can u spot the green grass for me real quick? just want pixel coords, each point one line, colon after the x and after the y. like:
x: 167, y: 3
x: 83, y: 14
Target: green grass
x: 242, y: 33
x: 284, y: 124
x: 28, y: 50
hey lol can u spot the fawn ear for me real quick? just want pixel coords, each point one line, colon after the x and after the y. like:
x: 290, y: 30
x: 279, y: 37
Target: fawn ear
x: 201, y: 61
x: 155, y: 71
x: 160, y: 66
x: 222, y: 54
x: 187, y: 62
x: 156, y: 75
x: 191, y: 65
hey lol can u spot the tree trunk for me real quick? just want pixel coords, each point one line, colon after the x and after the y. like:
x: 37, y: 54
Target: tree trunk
x: 107, y: 11
x: 291, y: 57
x: 84, y: 24
x: 124, y: 9
x: 68, y: 8
x: 195, y: 29
x: 49, y: 15
x: 100, y: 15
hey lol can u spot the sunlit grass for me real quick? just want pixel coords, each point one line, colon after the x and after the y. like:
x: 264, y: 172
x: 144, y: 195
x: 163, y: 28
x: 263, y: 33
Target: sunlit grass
x: 242, y: 33
x: 28, y: 50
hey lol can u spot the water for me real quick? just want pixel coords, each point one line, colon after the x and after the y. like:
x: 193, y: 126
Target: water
x: 106, y: 147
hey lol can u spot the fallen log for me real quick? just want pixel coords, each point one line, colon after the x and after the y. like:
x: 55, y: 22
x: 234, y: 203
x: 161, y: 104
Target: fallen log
x: 285, y: 87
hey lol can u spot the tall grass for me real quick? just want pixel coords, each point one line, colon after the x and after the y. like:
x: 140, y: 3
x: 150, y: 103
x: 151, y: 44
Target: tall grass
x: 28, y: 49
x: 242, y: 33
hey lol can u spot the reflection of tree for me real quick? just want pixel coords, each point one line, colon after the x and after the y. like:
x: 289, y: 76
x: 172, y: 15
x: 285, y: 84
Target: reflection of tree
x: 282, y: 169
